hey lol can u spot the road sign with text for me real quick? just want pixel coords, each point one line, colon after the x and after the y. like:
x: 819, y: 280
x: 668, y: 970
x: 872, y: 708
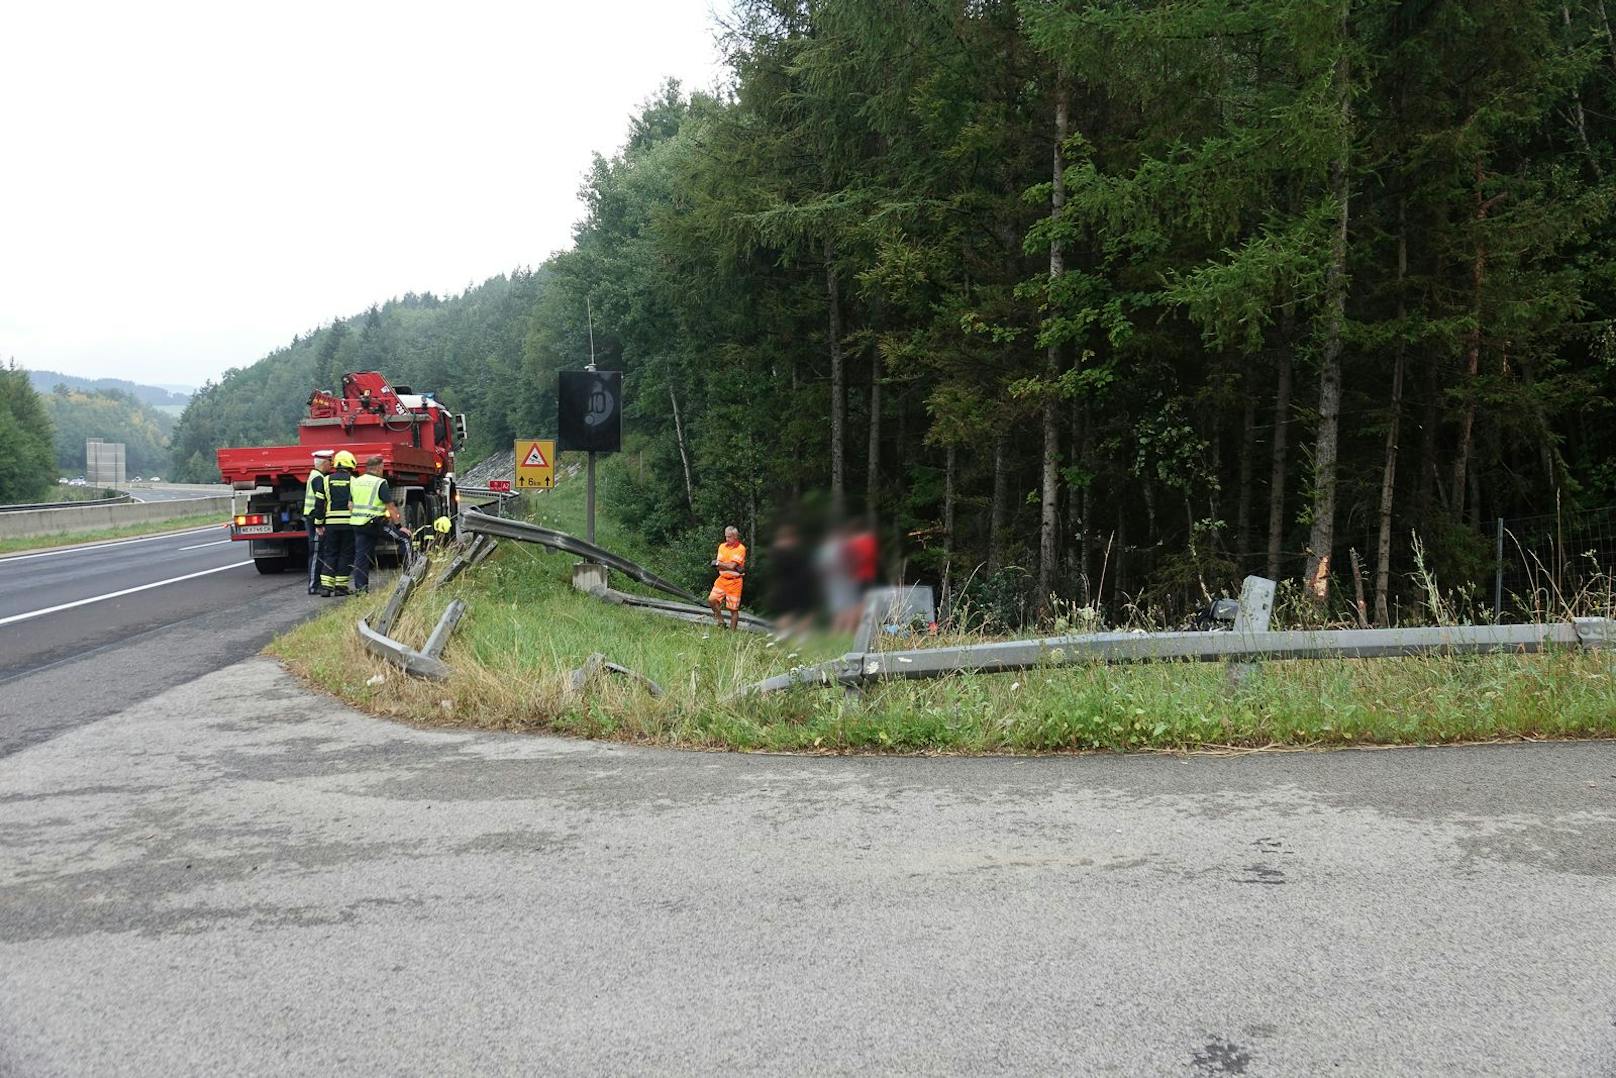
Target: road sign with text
x: 535, y: 463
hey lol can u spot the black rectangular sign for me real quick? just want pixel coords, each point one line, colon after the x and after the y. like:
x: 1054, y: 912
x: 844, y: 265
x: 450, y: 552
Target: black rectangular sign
x: 590, y: 411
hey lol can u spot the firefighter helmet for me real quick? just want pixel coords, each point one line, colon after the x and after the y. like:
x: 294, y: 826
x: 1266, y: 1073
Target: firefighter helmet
x: 443, y: 525
x: 344, y: 459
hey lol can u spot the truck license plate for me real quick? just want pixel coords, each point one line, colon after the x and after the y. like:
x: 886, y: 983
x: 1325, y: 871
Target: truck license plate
x: 255, y: 529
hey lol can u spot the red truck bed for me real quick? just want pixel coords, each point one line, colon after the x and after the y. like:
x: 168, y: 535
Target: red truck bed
x: 267, y: 466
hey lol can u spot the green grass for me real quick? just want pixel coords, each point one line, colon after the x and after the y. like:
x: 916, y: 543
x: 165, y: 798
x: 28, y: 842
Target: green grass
x: 525, y: 630
x: 150, y: 527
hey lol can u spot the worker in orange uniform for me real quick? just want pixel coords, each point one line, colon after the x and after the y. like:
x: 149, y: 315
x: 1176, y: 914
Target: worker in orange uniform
x: 731, y: 566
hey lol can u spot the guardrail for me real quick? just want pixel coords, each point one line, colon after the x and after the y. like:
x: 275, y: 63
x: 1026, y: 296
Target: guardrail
x: 85, y: 503
x: 71, y: 517
x: 427, y: 661
x: 520, y: 530
x: 855, y: 669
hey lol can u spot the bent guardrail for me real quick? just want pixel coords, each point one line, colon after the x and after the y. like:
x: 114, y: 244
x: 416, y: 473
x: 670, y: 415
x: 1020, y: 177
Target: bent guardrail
x: 522, y: 531
x: 427, y: 661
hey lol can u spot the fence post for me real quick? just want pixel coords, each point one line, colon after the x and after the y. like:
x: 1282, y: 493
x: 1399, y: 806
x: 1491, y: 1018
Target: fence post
x: 1498, y: 574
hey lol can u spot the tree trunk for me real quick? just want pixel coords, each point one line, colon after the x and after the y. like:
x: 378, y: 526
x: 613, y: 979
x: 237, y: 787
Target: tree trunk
x: 1577, y: 117
x: 1432, y: 421
x: 1604, y: 22
x: 1316, y: 572
x: 872, y: 478
x: 1388, y: 475
x: 1478, y: 278
x: 838, y: 389
x: 1086, y: 522
x: 1051, y: 457
x: 1282, y: 421
x: 1242, y: 510
x: 949, y: 478
x: 996, y: 524
x: 684, y: 457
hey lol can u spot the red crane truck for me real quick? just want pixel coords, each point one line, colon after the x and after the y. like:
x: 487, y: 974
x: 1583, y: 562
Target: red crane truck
x: 415, y: 436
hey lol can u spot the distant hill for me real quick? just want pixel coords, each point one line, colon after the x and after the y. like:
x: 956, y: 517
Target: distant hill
x: 45, y: 381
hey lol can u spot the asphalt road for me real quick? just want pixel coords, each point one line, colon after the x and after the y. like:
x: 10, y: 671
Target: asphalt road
x: 84, y: 632
x: 240, y: 877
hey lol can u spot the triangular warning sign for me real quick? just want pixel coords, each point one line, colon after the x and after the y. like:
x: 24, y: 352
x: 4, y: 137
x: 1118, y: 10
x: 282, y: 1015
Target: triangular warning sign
x: 535, y: 459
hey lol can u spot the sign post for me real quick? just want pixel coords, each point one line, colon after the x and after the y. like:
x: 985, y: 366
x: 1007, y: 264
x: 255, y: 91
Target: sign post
x: 590, y: 419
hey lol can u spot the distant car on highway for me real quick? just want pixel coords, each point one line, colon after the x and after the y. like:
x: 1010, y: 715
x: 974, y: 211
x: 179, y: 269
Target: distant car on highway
x: 64, y: 481
x: 156, y: 479
x: 79, y: 482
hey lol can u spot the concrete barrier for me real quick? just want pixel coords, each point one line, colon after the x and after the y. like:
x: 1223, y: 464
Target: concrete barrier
x: 71, y: 519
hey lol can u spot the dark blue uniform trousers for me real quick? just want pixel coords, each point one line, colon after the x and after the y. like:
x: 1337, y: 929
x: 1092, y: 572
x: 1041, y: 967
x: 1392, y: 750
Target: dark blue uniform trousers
x: 364, y: 546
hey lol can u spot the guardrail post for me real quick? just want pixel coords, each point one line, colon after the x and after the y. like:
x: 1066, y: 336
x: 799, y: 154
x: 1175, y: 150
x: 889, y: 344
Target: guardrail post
x: 395, y: 602
x: 1256, y: 608
x: 446, y: 625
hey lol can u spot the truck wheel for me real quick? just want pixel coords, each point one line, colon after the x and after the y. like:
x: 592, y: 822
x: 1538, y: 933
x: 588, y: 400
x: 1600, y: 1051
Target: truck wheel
x: 267, y: 566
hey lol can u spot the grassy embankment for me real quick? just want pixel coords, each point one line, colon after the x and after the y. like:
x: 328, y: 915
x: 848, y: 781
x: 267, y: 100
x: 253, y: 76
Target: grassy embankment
x: 526, y: 629
x: 150, y: 527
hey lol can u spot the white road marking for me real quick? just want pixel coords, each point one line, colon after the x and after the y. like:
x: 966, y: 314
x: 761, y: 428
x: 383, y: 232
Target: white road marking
x: 216, y: 542
x: 117, y: 594
x: 103, y: 546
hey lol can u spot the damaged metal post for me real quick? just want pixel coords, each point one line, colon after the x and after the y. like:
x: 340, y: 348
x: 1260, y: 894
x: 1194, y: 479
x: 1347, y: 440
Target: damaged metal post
x: 1256, y: 609
x: 446, y: 625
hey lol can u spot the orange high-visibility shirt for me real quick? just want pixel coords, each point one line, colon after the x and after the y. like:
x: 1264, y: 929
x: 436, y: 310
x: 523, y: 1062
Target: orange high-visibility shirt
x: 727, y: 578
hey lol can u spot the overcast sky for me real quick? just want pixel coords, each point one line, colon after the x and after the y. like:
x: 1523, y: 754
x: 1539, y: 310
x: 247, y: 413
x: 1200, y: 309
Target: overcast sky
x: 184, y: 186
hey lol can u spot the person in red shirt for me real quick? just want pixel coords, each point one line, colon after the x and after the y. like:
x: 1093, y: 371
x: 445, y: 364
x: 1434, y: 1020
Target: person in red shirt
x: 731, y: 565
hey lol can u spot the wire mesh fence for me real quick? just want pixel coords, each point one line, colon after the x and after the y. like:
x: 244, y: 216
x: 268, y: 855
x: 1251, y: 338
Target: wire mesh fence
x: 1557, y: 563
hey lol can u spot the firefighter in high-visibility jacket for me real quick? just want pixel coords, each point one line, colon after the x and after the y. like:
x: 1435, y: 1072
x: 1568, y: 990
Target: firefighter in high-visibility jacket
x: 372, y: 508
x: 334, y: 519
x: 313, y: 494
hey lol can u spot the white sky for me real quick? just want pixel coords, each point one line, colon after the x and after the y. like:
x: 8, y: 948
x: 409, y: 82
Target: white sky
x: 184, y: 186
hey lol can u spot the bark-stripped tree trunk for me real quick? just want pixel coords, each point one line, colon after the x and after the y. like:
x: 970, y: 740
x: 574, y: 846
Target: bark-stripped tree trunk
x: 1316, y: 571
x: 684, y: 456
x: 1001, y: 489
x: 838, y: 389
x: 1388, y: 474
x: 1051, y: 458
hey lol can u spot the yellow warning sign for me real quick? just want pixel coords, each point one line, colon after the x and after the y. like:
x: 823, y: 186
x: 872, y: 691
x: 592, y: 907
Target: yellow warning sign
x: 535, y: 463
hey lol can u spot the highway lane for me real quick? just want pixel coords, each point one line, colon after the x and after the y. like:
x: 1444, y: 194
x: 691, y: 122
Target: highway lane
x: 86, y: 631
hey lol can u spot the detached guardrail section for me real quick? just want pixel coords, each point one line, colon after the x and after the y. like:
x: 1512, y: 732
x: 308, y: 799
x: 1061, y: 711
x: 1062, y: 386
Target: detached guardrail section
x: 428, y: 661
x: 692, y: 610
x: 1249, y: 642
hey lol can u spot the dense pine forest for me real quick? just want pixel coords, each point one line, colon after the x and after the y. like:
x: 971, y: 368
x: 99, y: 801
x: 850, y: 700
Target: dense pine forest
x: 1108, y: 301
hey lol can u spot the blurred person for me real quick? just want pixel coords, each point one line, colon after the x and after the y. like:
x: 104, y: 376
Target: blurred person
x: 791, y: 594
x: 731, y: 565
x: 836, y: 582
x: 862, y: 557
